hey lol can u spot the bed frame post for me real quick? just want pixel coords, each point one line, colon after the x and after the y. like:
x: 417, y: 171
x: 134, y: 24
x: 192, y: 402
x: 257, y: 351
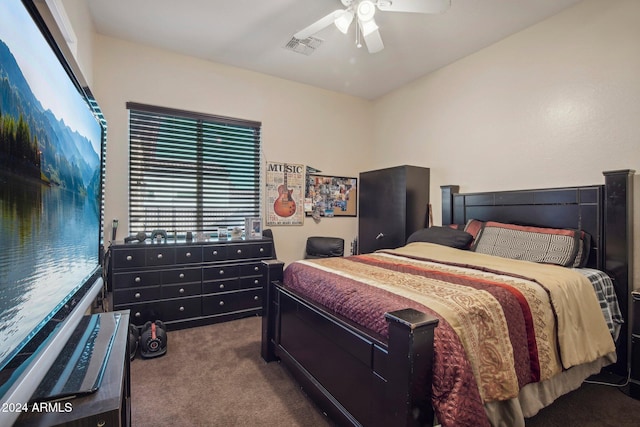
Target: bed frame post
x: 618, y: 263
x: 447, y: 202
x: 408, y: 397
x: 274, y: 271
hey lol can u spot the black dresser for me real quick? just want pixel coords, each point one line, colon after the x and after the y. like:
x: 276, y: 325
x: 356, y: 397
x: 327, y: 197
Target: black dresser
x: 189, y: 284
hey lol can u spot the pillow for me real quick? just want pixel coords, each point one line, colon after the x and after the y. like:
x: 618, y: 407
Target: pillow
x: 473, y: 227
x: 584, y: 248
x: 446, y: 236
x: 537, y: 244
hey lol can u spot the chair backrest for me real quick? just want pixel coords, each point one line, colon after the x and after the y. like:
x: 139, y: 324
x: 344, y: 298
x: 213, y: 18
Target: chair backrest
x: 324, y: 247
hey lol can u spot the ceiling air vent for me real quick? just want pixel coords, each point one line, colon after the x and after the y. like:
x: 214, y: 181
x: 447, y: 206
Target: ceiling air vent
x: 306, y: 46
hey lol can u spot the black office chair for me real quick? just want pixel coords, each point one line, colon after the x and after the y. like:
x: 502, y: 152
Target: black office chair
x: 324, y: 247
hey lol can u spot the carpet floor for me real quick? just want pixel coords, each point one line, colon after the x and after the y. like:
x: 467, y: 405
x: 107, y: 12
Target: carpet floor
x: 214, y: 376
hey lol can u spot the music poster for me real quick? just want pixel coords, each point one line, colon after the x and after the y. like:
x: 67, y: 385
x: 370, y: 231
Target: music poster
x: 285, y: 194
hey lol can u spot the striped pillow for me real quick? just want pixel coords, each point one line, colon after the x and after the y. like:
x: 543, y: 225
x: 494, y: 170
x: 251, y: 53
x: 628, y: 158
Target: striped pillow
x: 536, y: 244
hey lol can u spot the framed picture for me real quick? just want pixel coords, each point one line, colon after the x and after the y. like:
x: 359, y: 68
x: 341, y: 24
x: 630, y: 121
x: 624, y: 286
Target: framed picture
x: 253, y: 228
x: 331, y: 196
x: 285, y: 191
x: 223, y: 233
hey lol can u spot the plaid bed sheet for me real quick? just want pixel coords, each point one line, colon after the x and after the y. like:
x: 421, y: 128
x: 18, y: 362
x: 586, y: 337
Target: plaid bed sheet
x: 603, y: 285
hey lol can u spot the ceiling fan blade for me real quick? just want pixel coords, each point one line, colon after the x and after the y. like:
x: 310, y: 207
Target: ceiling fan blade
x: 319, y: 25
x: 368, y: 27
x: 373, y: 40
x: 415, y: 6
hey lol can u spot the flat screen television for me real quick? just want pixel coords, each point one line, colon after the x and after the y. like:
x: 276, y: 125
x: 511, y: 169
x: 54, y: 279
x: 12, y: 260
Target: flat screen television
x: 50, y: 191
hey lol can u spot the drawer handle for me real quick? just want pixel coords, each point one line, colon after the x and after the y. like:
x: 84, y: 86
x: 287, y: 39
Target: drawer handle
x: 101, y: 423
x: 221, y: 303
x: 256, y: 298
x: 181, y: 308
x: 261, y: 250
x: 137, y: 279
x: 188, y: 254
x: 256, y: 268
x: 221, y: 286
x: 138, y: 314
x: 181, y: 290
x: 221, y: 271
x: 159, y: 256
x: 215, y: 252
x: 129, y: 257
x: 255, y: 282
x: 239, y: 251
x: 181, y: 275
x: 137, y: 295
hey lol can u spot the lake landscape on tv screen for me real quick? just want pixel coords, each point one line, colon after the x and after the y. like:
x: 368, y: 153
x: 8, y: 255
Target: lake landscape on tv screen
x: 50, y: 145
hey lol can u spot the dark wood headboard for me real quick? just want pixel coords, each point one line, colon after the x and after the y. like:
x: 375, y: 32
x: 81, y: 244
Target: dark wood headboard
x: 604, y: 211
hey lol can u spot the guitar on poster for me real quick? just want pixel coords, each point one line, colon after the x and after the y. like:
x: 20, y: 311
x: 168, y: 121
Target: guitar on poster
x: 284, y: 205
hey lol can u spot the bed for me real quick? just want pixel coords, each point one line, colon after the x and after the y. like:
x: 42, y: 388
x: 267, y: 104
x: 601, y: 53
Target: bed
x: 489, y: 340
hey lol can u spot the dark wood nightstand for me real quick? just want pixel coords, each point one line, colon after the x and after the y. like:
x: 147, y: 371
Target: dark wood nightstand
x: 110, y: 405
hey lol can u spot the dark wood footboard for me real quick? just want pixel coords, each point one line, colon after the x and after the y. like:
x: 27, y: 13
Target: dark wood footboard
x: 355, y: 378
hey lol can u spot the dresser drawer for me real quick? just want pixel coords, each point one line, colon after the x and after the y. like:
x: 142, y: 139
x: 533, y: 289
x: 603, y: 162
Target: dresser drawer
x: 135, y: 279
x: 238, y: 251
x: 181, y: 308
x: 160, y: 256
x: 128, y: 258
x: 220, y: 272
x: 179, y: 291
x: 252, y: 282
x: 214, y: 253
x: 247, y: 300
x: 133, y: 295
x: 218, y: 304
x: 251, y: 269
x: 181, y: 275
x: 142, y: 313
x: 188, y: 255
x: 261, y: 250
x: 217, y: 286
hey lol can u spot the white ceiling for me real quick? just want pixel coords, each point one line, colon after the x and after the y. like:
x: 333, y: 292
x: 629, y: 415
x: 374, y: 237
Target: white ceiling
x: 251, y: 34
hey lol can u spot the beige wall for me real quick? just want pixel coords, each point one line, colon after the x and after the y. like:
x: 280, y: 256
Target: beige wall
x: 553, y: 105
x: 79, y: 52
x: 300, y: 124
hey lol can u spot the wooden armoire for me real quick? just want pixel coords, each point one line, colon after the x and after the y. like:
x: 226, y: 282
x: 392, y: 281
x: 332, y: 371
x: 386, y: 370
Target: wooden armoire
x: 394, y: 203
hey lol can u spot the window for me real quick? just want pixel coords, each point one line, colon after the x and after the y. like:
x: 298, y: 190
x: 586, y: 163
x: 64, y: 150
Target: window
x: 191, y: 171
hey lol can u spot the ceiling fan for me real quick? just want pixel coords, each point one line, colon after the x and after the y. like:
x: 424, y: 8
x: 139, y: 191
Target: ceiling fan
x: 364, y: 11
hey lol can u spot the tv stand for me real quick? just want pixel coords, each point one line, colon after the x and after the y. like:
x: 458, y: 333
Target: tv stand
x: 109, y: 405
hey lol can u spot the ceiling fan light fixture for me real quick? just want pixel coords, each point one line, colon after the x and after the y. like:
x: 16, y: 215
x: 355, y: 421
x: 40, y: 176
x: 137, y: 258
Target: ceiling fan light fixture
x: 344, y: 21
x: 366, y: 10
x: 366, y: 27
